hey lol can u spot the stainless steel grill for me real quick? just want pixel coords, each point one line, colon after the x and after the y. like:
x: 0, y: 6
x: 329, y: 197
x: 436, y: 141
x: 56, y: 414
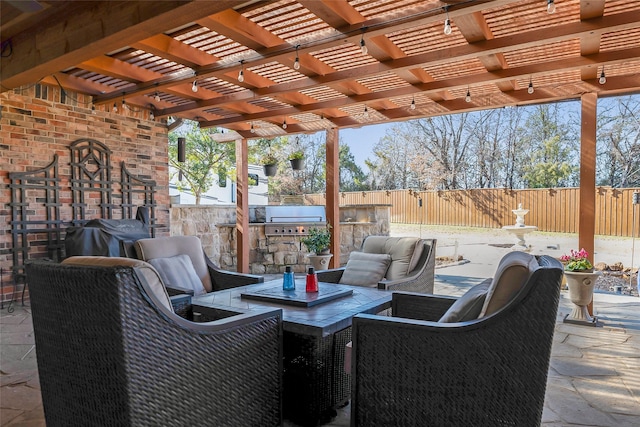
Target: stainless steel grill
x: 293, y: 220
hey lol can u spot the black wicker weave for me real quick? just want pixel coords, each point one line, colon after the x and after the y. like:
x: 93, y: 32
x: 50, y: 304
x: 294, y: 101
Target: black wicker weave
x: 487, y: 372
x: 421, y: 279
x: 109, y: 355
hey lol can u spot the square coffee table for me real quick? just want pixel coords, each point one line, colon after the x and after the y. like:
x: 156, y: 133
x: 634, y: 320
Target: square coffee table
x: 315, y: 336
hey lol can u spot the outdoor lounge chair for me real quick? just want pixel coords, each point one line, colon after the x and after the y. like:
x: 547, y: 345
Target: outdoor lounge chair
x: 110, y: 351
x: 410, y: 265
x: 163, y: 250
x: 414, y: 370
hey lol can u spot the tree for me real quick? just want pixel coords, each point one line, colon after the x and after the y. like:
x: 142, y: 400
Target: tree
x: 351, y: 176
x: 205, y: 159
x: 619, y: 142
x: 442, y: 144
x: 394, y: 154
x: 551, y: 149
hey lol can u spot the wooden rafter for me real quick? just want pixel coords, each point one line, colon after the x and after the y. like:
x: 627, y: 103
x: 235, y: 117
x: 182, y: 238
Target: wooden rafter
x: 496, y: 48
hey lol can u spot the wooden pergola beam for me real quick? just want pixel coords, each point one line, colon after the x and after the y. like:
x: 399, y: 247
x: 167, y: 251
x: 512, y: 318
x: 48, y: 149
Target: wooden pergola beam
x: 587, y: 206
x: 333, y: 193
x: 242, y: 205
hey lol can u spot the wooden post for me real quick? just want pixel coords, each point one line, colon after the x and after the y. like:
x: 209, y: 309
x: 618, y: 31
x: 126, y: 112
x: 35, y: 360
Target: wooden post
x: 242, y: 205
x: 333, y: 190
x: 587, y: 207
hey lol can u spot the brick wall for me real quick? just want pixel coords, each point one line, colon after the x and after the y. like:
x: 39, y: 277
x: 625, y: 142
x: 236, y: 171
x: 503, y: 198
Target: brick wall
x: 40, y: 122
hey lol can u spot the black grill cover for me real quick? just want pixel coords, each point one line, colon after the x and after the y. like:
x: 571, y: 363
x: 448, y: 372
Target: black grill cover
x: 104, y: 237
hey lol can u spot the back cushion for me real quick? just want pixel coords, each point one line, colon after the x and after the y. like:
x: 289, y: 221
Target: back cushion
x: 167, y: 247
x: 401, y: 249
x: 512, y: 274
x: 146, y: 270
x: 365, y: 269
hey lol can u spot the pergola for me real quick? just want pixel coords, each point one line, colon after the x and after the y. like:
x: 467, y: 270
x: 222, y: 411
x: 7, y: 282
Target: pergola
x: 262, y: 69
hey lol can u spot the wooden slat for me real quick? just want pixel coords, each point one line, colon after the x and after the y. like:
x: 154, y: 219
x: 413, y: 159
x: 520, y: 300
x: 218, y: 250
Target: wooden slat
x: 552, y: 210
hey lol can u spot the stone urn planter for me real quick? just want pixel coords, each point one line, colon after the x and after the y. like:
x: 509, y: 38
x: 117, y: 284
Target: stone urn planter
x: 320, y: 262
x: 580, y: 286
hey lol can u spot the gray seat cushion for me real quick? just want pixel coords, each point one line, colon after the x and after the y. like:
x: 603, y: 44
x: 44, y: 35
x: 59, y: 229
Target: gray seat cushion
x: 364, y: 269
x: 179, y: 272
x: 468, y: 306
x: 166, y: 247
x: 404, y: 251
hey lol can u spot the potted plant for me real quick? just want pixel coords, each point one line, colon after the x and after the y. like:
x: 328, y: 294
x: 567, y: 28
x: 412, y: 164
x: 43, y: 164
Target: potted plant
x: 297, y: 159
x: 580, y: 280
x: 317, y: 243
x: 270, y: 164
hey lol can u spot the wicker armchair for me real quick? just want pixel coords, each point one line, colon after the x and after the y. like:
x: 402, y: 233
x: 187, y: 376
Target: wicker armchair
x: 419, y: 279
x: 110, y: 352
x: 491, y: 371
x: 212, y: 277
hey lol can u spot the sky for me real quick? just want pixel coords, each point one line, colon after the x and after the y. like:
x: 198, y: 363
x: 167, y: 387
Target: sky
x: 362, y: 140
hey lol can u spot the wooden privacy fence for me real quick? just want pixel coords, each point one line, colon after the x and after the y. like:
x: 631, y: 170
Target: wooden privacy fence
x: 554, y: 210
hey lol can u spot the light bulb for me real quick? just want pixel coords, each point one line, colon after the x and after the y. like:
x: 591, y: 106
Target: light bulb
x: 530, y: 88
x: 284, y: 124
x: 366, y: 111
x: 115, y: 107
x: 152, y: 116
x: 413, y: 104
x: 194, y: 86
x: 603, y: 78
x: 296, y: 63
x: 252, y: 129
x: 157, y: 97
x: 241, y: 76
x: 551, y: 6
x: 468, y: 97
x: 363, y: 46
x: 447, y: 26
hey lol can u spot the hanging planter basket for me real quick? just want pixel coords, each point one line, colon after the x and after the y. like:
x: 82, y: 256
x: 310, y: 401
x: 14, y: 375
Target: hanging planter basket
x: 297, y: 164
x: 270, y: 170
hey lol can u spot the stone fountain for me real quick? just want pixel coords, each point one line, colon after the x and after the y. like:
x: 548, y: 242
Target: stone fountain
x: 520, y: 230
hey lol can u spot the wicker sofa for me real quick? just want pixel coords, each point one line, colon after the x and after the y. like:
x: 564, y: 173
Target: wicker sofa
x: 111, y: 351
x: 411, y: 268
x: 418, y: 368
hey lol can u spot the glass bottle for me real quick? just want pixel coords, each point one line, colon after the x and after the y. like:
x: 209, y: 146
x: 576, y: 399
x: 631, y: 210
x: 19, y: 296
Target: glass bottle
x: 288, y: 281
x: 312, y: 280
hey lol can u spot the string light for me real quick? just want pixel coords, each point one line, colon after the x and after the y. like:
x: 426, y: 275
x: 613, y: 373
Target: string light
x: 447, y: 22
x: 551, y: 6
x: 194, y: 86
x: 241, y: 74
x: 468, y: 97
x: 252, y: 129
x: 603, y: 78
x: 366, y: 112
x: 413, y: 104
x: 296, y: 63
x: 363, y: 45
x: 530, y: 88
x: 152, y: 115
x: 115, y: 107
x: 157, y: 97
x: 284, y: 124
